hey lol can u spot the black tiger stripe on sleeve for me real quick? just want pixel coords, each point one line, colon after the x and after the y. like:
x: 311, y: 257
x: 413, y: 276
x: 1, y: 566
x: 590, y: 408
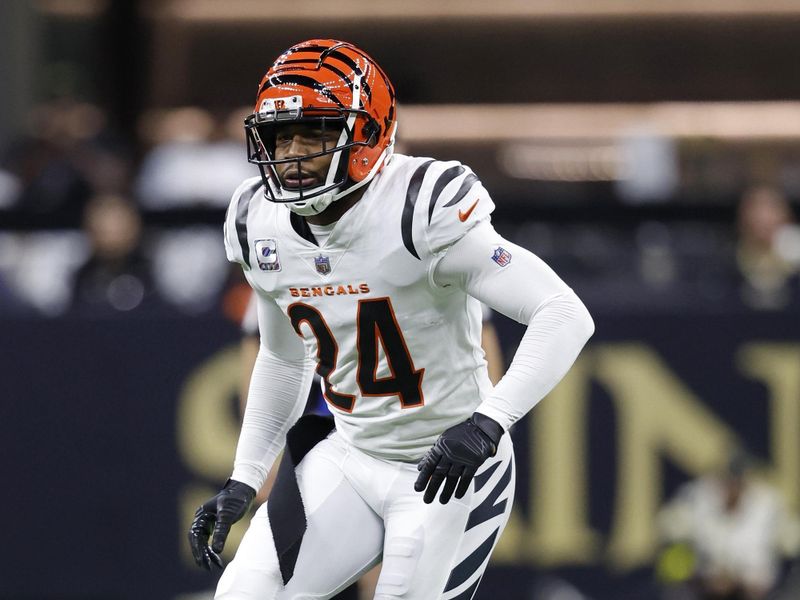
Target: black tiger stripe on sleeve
x: 407, y: 220
x: 441, y: 183
x: 450, y: 216
x: 242, y: 209
x: 466, y: 186
x: 236, y: 219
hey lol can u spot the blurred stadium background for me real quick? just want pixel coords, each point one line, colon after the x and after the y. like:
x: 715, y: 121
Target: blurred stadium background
x: 649, y: 151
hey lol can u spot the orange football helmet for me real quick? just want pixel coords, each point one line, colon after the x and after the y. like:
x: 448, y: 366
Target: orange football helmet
x: 334, y: 85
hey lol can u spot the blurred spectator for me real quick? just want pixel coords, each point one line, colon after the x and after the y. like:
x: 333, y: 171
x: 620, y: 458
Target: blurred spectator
x: 725, y: 537
x: 117, y: 276
x: 38, y: 268
x: 768, y: 250
x: 107, y: 164
x: 40, y: 178
x: 52, y: 170
x: 196, y: 160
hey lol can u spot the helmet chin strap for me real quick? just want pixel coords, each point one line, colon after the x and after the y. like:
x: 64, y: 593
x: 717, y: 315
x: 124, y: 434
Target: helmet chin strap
x: 312, y: 207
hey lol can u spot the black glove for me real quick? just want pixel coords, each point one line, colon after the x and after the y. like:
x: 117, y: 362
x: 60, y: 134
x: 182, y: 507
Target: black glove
x: 456, y: 456
x: 217, y: 515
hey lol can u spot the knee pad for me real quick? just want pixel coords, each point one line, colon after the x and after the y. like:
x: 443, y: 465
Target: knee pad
x: 400, y: 557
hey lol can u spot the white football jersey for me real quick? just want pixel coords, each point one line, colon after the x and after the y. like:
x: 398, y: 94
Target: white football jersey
x: 400, y: 357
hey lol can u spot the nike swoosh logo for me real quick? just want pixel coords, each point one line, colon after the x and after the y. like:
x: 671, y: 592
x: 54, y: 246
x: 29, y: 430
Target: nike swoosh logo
x: 464, y: 215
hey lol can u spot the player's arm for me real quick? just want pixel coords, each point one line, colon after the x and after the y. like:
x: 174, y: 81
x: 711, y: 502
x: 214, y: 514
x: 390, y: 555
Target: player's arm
x: 279, y: 387
x: 248, y: 352
x: 519, y: 285
x: 527, y: 290
x: 248, y: 349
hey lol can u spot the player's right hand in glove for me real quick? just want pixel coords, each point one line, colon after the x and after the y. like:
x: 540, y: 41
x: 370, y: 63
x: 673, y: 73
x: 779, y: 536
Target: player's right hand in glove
x: 456, y: 457
x: 216, y: 516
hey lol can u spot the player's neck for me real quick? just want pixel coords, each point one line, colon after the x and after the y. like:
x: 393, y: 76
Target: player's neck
x: 335, y: 211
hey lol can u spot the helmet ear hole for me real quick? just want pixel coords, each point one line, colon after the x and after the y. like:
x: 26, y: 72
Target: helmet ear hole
x: 371, y: 131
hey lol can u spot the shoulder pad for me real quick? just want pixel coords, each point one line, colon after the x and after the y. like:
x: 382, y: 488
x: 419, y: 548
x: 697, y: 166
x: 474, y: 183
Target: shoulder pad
x: 237, y: 246
x: 444, y: 200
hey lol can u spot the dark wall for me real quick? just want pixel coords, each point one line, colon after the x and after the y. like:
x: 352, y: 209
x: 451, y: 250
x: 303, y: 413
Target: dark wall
x: 114, y: 430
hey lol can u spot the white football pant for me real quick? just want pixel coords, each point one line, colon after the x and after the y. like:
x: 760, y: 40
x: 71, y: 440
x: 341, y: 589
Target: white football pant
x: 360, y: 509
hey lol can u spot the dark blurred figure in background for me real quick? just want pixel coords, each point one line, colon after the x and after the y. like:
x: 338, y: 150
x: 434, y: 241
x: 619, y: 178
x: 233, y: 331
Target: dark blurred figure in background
x: 117, y: 277
x: 767, y: 250
x: 64, y: 158
x: 47, y: 182
x: 725, y: 536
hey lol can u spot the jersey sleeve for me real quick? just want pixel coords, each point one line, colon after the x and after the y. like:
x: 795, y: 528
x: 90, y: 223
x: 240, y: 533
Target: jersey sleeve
x: 455, y: 202
x: 237, y: 246
x: 516, y: 283
x: 279, y: 386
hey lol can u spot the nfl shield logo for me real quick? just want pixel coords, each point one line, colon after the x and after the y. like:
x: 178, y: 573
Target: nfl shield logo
x: 501, y: 256
x: 323, y: 264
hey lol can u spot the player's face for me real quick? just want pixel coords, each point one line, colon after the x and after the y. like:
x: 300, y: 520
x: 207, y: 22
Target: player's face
x: 295, y: 140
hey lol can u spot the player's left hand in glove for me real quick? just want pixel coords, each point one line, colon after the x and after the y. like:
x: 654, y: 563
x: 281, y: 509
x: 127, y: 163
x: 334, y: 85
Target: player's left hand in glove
x: 456, y: 456
x: 216, y: 516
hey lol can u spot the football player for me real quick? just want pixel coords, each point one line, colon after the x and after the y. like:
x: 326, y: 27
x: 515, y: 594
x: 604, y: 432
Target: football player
x: 369, y: 269
x: 316, y: 403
